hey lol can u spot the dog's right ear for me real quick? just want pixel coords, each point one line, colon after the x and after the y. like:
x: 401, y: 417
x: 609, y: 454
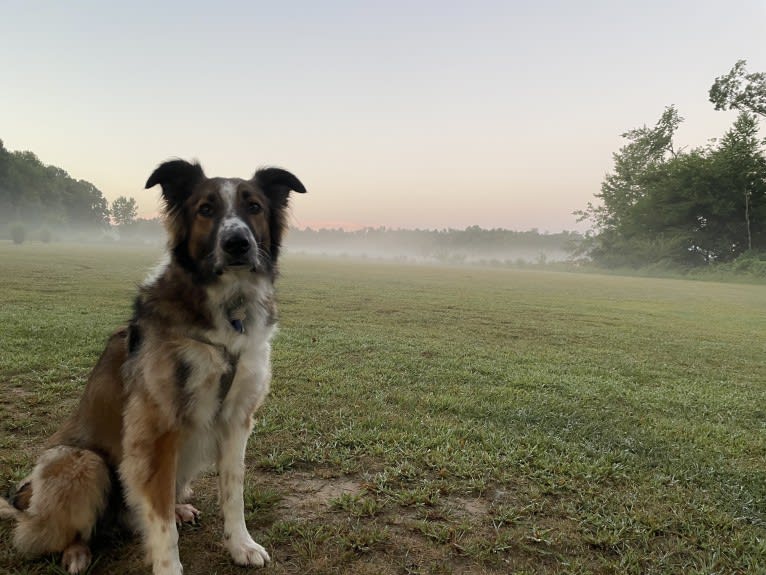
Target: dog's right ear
x: 177, y: 179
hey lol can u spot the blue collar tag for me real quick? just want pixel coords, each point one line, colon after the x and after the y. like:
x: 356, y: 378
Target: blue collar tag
x: 238, y: 326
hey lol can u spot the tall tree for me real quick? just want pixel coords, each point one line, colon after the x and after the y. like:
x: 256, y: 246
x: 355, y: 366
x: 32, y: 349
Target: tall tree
x: 620, y: 217
x: 741, y: 154
x: 124, y: 211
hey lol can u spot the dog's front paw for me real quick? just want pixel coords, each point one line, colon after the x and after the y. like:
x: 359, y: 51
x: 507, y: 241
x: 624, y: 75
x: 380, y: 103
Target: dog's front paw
x: 186, y: 513
x: 244, y: 551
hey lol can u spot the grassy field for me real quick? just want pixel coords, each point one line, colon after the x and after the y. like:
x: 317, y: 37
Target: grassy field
x: 443, y: 419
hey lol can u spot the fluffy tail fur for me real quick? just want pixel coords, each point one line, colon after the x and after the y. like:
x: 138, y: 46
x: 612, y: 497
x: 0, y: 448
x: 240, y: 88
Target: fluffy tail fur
x: 69, y: 493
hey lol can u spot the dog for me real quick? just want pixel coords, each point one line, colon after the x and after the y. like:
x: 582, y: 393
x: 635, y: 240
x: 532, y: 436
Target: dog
x: 175, y: 390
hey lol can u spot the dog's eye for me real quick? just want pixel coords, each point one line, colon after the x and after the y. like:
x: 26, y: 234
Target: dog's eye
x: 254, y: 208
x: 205, y: 210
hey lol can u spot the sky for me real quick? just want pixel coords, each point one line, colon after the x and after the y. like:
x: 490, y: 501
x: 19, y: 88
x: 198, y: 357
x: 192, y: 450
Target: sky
x: 404, y: 114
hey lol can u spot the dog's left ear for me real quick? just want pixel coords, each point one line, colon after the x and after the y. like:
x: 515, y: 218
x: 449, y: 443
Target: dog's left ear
x: 277, y: 184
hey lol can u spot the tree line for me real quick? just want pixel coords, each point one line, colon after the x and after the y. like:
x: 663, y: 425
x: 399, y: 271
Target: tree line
x: 667, y: 205
x: 36, y: 195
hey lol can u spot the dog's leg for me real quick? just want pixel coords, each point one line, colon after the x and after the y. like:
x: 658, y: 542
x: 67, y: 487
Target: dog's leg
x: 231, y: 477
x: 148, y: 472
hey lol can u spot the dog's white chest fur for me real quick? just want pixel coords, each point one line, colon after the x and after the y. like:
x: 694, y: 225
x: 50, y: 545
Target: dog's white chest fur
x: 228, y: 380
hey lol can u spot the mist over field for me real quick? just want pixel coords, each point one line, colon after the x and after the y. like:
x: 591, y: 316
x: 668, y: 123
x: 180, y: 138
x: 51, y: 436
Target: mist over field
x: 472, y: 245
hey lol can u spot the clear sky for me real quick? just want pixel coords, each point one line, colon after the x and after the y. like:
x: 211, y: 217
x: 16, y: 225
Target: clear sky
x: 416, y: 113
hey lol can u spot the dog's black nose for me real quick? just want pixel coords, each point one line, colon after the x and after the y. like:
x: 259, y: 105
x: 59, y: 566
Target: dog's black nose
x: 236, y: 246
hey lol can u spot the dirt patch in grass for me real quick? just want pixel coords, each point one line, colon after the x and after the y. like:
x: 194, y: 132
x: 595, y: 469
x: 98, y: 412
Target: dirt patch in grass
x: 468, y: 507
x: 307, y: 496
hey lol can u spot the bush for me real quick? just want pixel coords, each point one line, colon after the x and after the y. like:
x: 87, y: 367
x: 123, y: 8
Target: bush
x: 18, y: 233
x: 752, y: 263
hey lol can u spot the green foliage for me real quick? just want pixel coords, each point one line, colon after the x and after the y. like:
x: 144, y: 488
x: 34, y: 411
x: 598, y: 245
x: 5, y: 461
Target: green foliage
x: 623, y: 219
x: 750, y: 263
x: 680, y: 208
x: 18, y: 233
x: 124, y: 211
x: 35, y: 193
x: 739, y: 90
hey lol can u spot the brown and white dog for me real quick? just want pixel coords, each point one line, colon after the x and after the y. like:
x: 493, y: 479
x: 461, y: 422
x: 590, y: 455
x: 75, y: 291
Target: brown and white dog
x: 176, y: 390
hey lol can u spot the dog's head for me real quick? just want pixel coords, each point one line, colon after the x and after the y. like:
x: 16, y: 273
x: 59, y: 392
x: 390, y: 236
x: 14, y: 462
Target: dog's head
x: 217, y: 225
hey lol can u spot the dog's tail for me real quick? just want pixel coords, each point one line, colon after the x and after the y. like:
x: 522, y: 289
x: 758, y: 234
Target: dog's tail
x: 8, y: 511
x: 68, y: 493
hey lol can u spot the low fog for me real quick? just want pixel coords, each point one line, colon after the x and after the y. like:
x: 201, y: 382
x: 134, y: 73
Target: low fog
x: 472, y: 245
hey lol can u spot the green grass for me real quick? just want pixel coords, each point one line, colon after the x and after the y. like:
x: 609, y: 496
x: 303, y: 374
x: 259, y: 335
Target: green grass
x: 444, y: 419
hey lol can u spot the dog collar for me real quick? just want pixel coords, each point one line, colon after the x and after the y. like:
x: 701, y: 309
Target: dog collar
x: 237, y: 325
